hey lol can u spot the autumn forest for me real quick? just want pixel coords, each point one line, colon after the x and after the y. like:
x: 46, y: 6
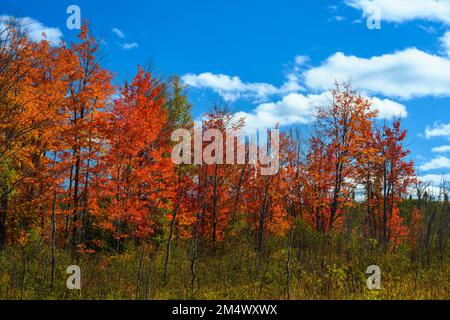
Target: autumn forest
x: 87, y: 179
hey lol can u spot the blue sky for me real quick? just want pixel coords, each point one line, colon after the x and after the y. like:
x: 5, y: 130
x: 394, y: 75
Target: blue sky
x: 273, y: 60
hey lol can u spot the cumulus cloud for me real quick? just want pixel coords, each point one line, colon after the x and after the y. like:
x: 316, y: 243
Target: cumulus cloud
x: 129, y: 45
x: 292, y: 109
x: 292, y: 83
x: 388, y: 109
x: 435, y: 182
x: 34, y: 29
x: 118, y: 33
x: 440, y: 162
x: 232, y: 88
x: 294, y: 77
x: 288, y: 104
x: 403, y: 74
x: 400, y: 11
x: 229, y: 87
x: 438, y: 130
x: 441, y: 149
x: 296, y: 108
x: 435, y: 179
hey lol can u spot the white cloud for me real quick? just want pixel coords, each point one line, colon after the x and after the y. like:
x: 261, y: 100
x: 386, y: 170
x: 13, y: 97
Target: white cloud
x: 440, y: 162
x: 435, y: 182
x: 435, y: 179
x: 292, y: 83
x: 34, y: 29
x: 441, y: 149
x: 124, y: 45
x: 293, y: 78
x: 388, y: 109
x: 403, y: 74
x: 228, y: 87
x: 405, y: 10
x: 118, y: 33
x: 232, y: 88
x: 292, y: 109
x: 129, y: 45
x: 296, y: 108
x: 438, y: 130
x: 445, y: 42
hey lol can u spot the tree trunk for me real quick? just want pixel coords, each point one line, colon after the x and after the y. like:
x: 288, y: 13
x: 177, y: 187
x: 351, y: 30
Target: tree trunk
x: 169, y: 241
x: 288, y: 263
x: 76, y: 199
x: 262, y: 218
x: 215, y: 195
x: 141, y: 269
x: 53, y: 242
